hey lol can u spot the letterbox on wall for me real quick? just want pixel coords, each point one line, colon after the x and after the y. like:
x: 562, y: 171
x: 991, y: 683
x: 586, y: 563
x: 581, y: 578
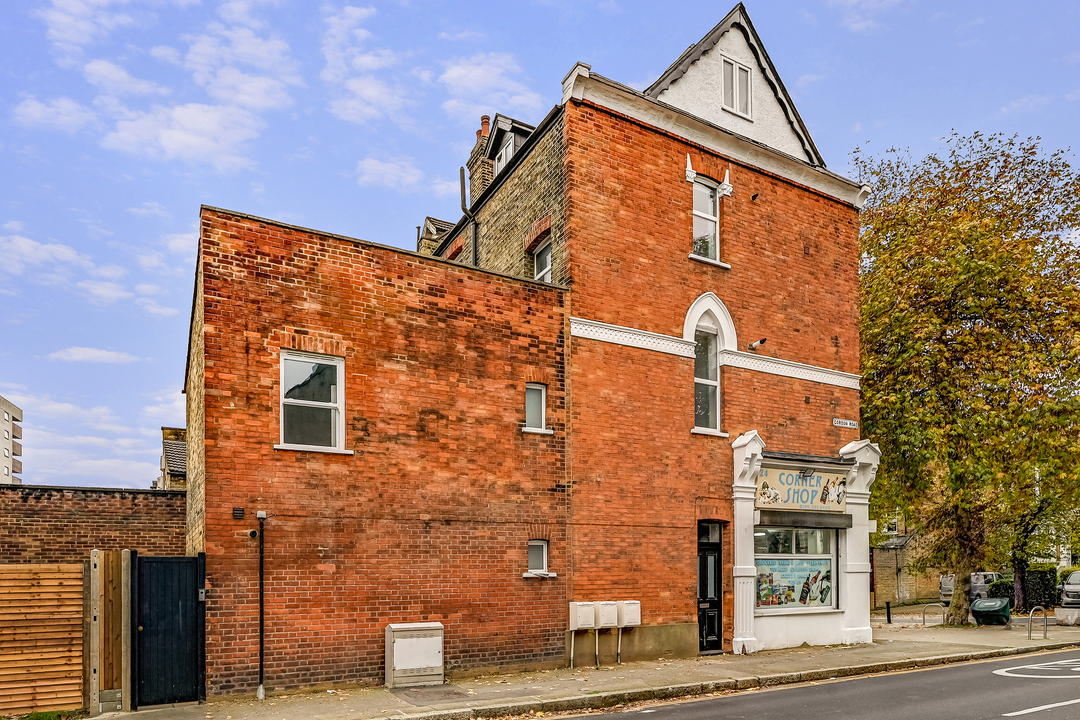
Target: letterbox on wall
x: 582, y: 616
x: 414, y: 654
x: 629, y: 613
x: 607, y: 613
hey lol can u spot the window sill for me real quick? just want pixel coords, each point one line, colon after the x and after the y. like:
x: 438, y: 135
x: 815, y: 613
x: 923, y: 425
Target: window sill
x: 540, y: 575
x: 313, y: 448
x: 709, y: 431
x: 768, y: 612
x: 709, y: 261
x: 537, y: 431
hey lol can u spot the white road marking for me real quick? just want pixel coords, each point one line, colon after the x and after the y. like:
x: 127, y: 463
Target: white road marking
x: 1068, y: 667
x: 1041, y: 708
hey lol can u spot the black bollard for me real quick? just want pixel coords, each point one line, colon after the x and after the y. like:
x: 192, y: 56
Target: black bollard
x: 888, y: 612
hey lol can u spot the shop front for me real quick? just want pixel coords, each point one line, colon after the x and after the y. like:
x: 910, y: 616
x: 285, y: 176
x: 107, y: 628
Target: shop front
x: 802, y: 551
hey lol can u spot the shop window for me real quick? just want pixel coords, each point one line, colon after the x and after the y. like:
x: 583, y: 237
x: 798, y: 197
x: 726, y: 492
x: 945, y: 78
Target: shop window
x: 795, y: 567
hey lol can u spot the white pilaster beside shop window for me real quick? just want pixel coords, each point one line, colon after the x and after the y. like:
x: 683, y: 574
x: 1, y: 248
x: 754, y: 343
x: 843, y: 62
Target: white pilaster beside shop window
x: 855, y: 542
x: 748, y: 448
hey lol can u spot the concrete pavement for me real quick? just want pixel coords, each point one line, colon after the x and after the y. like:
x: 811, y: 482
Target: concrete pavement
x: 900, y: 646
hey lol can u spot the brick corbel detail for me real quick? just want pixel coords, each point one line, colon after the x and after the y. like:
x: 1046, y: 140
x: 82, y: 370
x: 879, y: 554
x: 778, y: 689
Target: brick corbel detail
x: 537, y: 233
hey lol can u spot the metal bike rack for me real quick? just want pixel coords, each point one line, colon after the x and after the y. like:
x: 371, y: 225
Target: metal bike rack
x: 930, y: 605
x: 1037, y: 607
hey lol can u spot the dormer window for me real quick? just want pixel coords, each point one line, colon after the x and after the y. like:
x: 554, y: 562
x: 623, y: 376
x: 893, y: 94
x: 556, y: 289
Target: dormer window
x: 737, y: 88
x: 505, y: 153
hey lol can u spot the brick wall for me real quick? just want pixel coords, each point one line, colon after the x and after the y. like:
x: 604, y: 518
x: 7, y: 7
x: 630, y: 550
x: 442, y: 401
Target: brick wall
x: 40, y: 524
x: 429, y: 518
x: 534, y: 190
x: 194, y: 388
x: 907, y: 585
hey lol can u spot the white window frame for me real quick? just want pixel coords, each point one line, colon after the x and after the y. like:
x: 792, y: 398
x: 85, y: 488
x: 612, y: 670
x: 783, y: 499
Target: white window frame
x: 542, y: 572
x: 706, y: 326
x: 834, y: 568
x: 735, y: 93
x: 502, y: 158
x: 339, y: 406
x: 545, y: 275
x: 543, y: 429
x: 714, y: 189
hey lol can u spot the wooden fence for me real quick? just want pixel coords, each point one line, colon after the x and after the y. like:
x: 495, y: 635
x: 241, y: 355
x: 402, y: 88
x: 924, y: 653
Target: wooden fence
x: 41, y: 637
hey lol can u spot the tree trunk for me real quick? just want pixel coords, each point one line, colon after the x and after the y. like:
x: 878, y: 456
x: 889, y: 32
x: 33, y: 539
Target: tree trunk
x: 1019, y: 567
x: 960, y: 607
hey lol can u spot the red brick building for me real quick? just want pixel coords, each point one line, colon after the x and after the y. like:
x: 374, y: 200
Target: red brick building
x: 629, y: 372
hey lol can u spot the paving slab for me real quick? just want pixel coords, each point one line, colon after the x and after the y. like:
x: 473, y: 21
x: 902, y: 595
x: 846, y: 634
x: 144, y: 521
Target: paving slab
x: 901, y: 646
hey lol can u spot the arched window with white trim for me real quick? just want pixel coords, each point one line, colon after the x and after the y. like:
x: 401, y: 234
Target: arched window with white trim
x: 708, y: 324
x: 706, y: 374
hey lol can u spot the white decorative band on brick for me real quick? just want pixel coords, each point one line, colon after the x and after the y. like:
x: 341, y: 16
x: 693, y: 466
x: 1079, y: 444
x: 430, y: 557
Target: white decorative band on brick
x: 788, y: 368
x: 593, y: 330
x: 630, y: 337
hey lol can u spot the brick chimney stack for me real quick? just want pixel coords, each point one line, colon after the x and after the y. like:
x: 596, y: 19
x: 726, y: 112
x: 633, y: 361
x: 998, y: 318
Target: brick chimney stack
x: 480, y: 168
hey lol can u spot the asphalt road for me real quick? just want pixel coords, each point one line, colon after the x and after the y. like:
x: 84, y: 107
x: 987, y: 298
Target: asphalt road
x: 1027, y: 686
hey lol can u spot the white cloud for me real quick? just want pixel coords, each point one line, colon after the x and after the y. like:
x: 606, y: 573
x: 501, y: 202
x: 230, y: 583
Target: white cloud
x: 463, y: 35
x: 115, y: 80
x: 14, y: 226
x: 484, y: 83
x: 1028, y: 103
x: 74, y: 24
x: 147, y: 289
x: 153, y: 308
x: 166, y: 53
x: 169, y: 407
x: 109, y: 272
x: 239, y: 46
x: 149, y: 208
x: 183, y: 244
x: 20, y: 253
x: 859, y: 23
x: 239, y: 11
x: 808, y: 79
x: 194, y: 133
x: 340, y: 42
x: 43, y: 406
x: 398, y: 173
x: 91, y: 355
x: 1074, y: 95
x: 62, y: 113
x: 257, y: 92
x: 374, y: 60
x: 103, y: 292
x: 367, y: 98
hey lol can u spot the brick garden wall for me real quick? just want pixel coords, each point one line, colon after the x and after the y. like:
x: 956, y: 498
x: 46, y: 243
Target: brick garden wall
x: 40, y: 524
x: 429, y: 519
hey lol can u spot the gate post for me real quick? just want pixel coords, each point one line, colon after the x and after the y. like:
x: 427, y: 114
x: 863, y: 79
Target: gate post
x: 95, y: 632
x: 125, y: 632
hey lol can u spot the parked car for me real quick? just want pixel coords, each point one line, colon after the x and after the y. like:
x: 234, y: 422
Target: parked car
x: 1070, y: 591
x: 980, y: 585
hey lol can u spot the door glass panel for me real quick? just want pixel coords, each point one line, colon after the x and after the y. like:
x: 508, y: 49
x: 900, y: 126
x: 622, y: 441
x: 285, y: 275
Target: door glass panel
x: 710, y: 561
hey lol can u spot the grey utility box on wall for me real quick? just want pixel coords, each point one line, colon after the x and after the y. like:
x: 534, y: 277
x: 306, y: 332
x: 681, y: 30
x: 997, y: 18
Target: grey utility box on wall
x: 414, y: 654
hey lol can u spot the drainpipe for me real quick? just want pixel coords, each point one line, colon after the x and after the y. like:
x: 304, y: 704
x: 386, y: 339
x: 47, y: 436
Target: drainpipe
x: 472, y: 219
x: 262, y: 615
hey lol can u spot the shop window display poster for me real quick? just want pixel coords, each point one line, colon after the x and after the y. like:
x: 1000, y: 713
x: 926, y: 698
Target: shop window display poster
x: 794, y: 582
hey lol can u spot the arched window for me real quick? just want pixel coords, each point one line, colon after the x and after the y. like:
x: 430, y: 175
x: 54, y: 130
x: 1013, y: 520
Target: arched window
x: 708, y: 324
x: 706, y: 374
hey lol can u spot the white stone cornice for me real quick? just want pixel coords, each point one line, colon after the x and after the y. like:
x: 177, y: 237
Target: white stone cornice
x: 788, y: 368
x: 631, y: 337
x: 579, y: 327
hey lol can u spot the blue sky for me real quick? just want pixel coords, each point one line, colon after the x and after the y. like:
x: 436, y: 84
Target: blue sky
x: 120, y: 117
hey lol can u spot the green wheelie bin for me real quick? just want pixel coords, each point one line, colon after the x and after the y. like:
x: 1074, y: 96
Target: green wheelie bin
x: 991, y: 611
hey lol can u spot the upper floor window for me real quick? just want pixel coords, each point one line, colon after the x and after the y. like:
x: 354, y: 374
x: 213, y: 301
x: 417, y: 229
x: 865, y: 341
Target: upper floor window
x: 505, y: 153
x: 542, y: 263
x: 706, y: 380
x: 706, y: 220
x: 312, y: 402
x: 737, y: 88
x: 536, y: 409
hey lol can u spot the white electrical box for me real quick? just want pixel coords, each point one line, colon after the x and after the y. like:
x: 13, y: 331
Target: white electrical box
x: 582, y: 616
x: 629, y: 613
x: 414, y: 654
x: 607, y: 613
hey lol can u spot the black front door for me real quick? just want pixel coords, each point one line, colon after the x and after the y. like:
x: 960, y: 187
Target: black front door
x: 710, y: 589
x: 169, y: 638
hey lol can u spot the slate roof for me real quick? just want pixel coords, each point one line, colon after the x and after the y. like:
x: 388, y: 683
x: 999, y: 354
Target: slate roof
x: 441, y: 227
x: 175, y: 456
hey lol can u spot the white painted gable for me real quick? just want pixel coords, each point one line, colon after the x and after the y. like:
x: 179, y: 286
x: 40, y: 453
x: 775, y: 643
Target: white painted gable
x: 695, y: 84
